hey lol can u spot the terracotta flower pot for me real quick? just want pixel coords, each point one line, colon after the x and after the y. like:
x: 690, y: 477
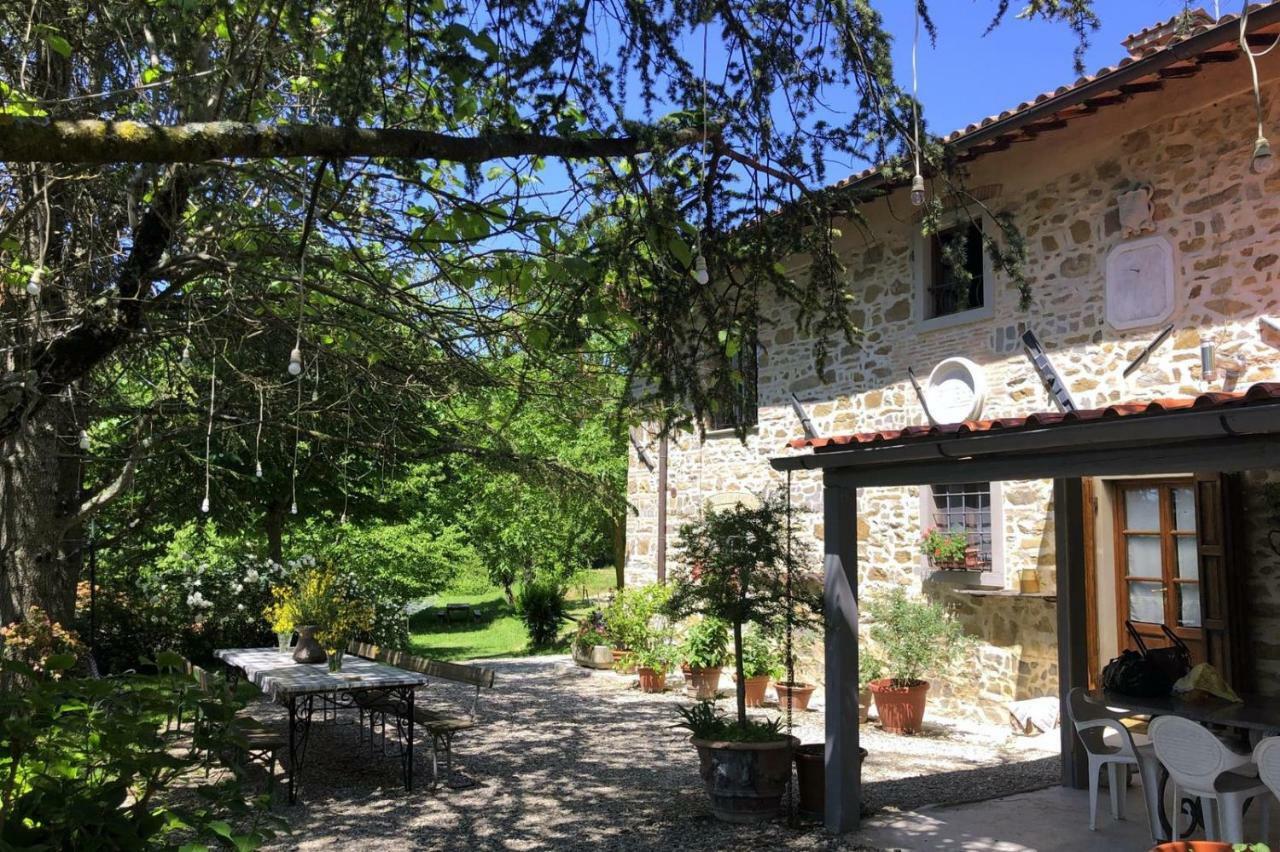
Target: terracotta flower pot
x: 617, y: 660
x: 1193, y: 846
x: 746, y: 781
x: 705, y: 683
x: 797, y: 693
x: 864, y: 705
x: 651, y: 680
x: 754, y: 687
x: 811, y: 777
x: 901, y: 708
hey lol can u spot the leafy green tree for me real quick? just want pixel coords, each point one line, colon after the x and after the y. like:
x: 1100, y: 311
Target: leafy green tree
x: 364, y: 183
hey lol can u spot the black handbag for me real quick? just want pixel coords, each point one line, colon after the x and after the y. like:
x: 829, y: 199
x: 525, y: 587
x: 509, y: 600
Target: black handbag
x: 1147, y: 673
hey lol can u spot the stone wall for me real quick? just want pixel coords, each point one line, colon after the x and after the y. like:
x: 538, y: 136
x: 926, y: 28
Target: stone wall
x: 1193, y: 151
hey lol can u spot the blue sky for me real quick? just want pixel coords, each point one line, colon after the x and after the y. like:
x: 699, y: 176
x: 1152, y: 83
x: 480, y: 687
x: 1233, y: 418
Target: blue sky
x: 968, y: 76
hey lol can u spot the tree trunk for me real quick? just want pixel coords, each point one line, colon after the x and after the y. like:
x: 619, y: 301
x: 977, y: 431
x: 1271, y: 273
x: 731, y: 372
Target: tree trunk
x: 740, y: 681
x: 619, y: 525
x: 40, y: 469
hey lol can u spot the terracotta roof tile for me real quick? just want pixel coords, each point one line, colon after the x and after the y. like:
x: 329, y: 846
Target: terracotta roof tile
x: 1203, y: 23
x: 1263, y: 392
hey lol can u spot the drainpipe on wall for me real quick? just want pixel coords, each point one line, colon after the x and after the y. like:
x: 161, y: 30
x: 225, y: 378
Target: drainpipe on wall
x: 662, y: 508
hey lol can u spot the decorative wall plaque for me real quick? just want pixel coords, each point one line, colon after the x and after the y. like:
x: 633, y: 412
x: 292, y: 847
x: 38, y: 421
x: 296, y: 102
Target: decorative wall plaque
x: 956, y: 391
x: 1136, y: 212
x: 1140, y: 287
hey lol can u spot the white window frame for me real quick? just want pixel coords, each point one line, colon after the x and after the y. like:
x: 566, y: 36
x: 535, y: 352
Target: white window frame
x: 996, y: 575
x: 922, y: 264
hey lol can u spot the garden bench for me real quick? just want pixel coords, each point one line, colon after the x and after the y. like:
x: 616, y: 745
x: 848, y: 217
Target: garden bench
x: 441, y: 723
x: 452, y: 613
x: 259, y: 743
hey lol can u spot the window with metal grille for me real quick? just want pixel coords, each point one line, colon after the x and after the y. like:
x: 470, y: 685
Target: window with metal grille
x: 966, y: 508
x: 738, y: 404
x: 957, y: 286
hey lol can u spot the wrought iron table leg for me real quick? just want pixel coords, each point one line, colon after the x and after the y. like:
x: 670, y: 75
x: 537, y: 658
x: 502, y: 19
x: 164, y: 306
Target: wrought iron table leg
x: 299, y: 730
x: 408, y: 763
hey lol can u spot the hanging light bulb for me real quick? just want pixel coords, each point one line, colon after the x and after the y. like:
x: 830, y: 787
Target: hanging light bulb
x: 315, y: 395
x: 33, y: 285
x: 204, y: 505
x: 295, y: 362
x: 700, y: 273
x: 84, y: 440
x: 186, y: 357
x: 1262, y: 162
x: 293, y: 508
x: 917, y: 190
x: 257, y: 471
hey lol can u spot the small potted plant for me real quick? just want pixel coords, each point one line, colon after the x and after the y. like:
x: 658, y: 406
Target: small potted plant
x: 591, y: 642
x: 652, y: 665
x: 760, y: 663
x: 949, y: 551
x: 913, y: 637
x: 706, y: 644
x: 869, y: 669
x: 743, y: 571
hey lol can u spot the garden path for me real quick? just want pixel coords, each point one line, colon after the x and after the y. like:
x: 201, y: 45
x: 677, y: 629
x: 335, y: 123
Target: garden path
x: 573, y: 759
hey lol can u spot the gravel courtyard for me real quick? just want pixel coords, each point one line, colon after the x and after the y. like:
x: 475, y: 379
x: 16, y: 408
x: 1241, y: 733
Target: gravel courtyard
x: 567, y: 758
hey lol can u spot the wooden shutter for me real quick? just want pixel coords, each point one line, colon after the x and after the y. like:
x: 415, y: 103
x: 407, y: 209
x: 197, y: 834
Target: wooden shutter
x: 1222, y: 591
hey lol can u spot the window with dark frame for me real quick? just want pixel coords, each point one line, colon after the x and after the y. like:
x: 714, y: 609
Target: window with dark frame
x: 966, y: 508
x: 1158, y: 556
x: 738, y: 406
x: 950, y: 289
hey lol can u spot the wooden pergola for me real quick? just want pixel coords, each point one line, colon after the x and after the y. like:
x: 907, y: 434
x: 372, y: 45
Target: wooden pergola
x: 1213, y: 432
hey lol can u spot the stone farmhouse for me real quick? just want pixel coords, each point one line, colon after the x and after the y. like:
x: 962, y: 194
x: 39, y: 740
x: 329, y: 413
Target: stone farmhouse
x: 1152, y: 256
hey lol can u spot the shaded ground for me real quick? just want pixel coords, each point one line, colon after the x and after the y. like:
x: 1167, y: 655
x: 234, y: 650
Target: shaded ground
x: 574, y: 760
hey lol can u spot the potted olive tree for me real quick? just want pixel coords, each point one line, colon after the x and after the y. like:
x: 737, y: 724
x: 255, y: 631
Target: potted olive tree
x: 913, y: 637
x: 737, y: 563
x: 706, y: 644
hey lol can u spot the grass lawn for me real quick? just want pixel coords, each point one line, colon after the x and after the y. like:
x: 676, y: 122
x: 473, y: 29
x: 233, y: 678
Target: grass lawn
x: 500, y: 632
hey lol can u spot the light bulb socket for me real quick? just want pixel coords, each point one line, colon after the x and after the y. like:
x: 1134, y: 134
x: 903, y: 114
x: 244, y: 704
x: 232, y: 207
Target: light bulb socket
x: 257, y: 470
x: 918, y: 195
x: 700, y: 273
x: 33, y: 283
x: 1262, y: 163
x: 84, y: 440
x: 293, y: 508
x: 204, y: 505
x: 295, y: 362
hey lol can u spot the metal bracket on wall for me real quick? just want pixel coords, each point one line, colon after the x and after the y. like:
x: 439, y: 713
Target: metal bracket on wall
x: 805, y: 422
x: 915, y: 383
x: 1146, y: 353
x: 640, y: 450
x: 1052, y: 381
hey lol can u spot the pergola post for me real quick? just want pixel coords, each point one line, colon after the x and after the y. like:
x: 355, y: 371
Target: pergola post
x: 840, y: 611
x: 1073, y: 663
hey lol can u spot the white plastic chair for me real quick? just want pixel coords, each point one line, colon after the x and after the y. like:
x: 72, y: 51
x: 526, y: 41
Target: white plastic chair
x: 1266, y: 754
x: 1201, y: 765
x: 1109, y: 743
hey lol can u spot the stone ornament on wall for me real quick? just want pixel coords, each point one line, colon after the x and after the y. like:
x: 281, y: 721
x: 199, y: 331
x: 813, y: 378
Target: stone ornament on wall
x: 1140, y: 288
x: 1137, y: 215
x: 956, y: 391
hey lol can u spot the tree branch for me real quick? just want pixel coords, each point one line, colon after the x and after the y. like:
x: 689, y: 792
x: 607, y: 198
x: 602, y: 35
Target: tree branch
x: 24, y: 140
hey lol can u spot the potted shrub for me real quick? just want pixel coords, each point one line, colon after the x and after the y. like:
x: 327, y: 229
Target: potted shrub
x: 706, y: 644
x: 743, y: 567
x: 912, y: 637
x: 543, y: 610
x: 591, y: 642
x: 869, y: 669
x: 628, y: 617
x: 949, y: 551
x: 760, y: 663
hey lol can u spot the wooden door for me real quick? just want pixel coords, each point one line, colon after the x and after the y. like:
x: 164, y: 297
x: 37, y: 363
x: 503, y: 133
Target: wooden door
x: 1158, y: 563
x: 1218, y: 517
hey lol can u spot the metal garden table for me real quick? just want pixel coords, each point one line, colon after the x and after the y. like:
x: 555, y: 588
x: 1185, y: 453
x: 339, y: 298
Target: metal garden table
x: 1255, y: 714
x: 296, y: 686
